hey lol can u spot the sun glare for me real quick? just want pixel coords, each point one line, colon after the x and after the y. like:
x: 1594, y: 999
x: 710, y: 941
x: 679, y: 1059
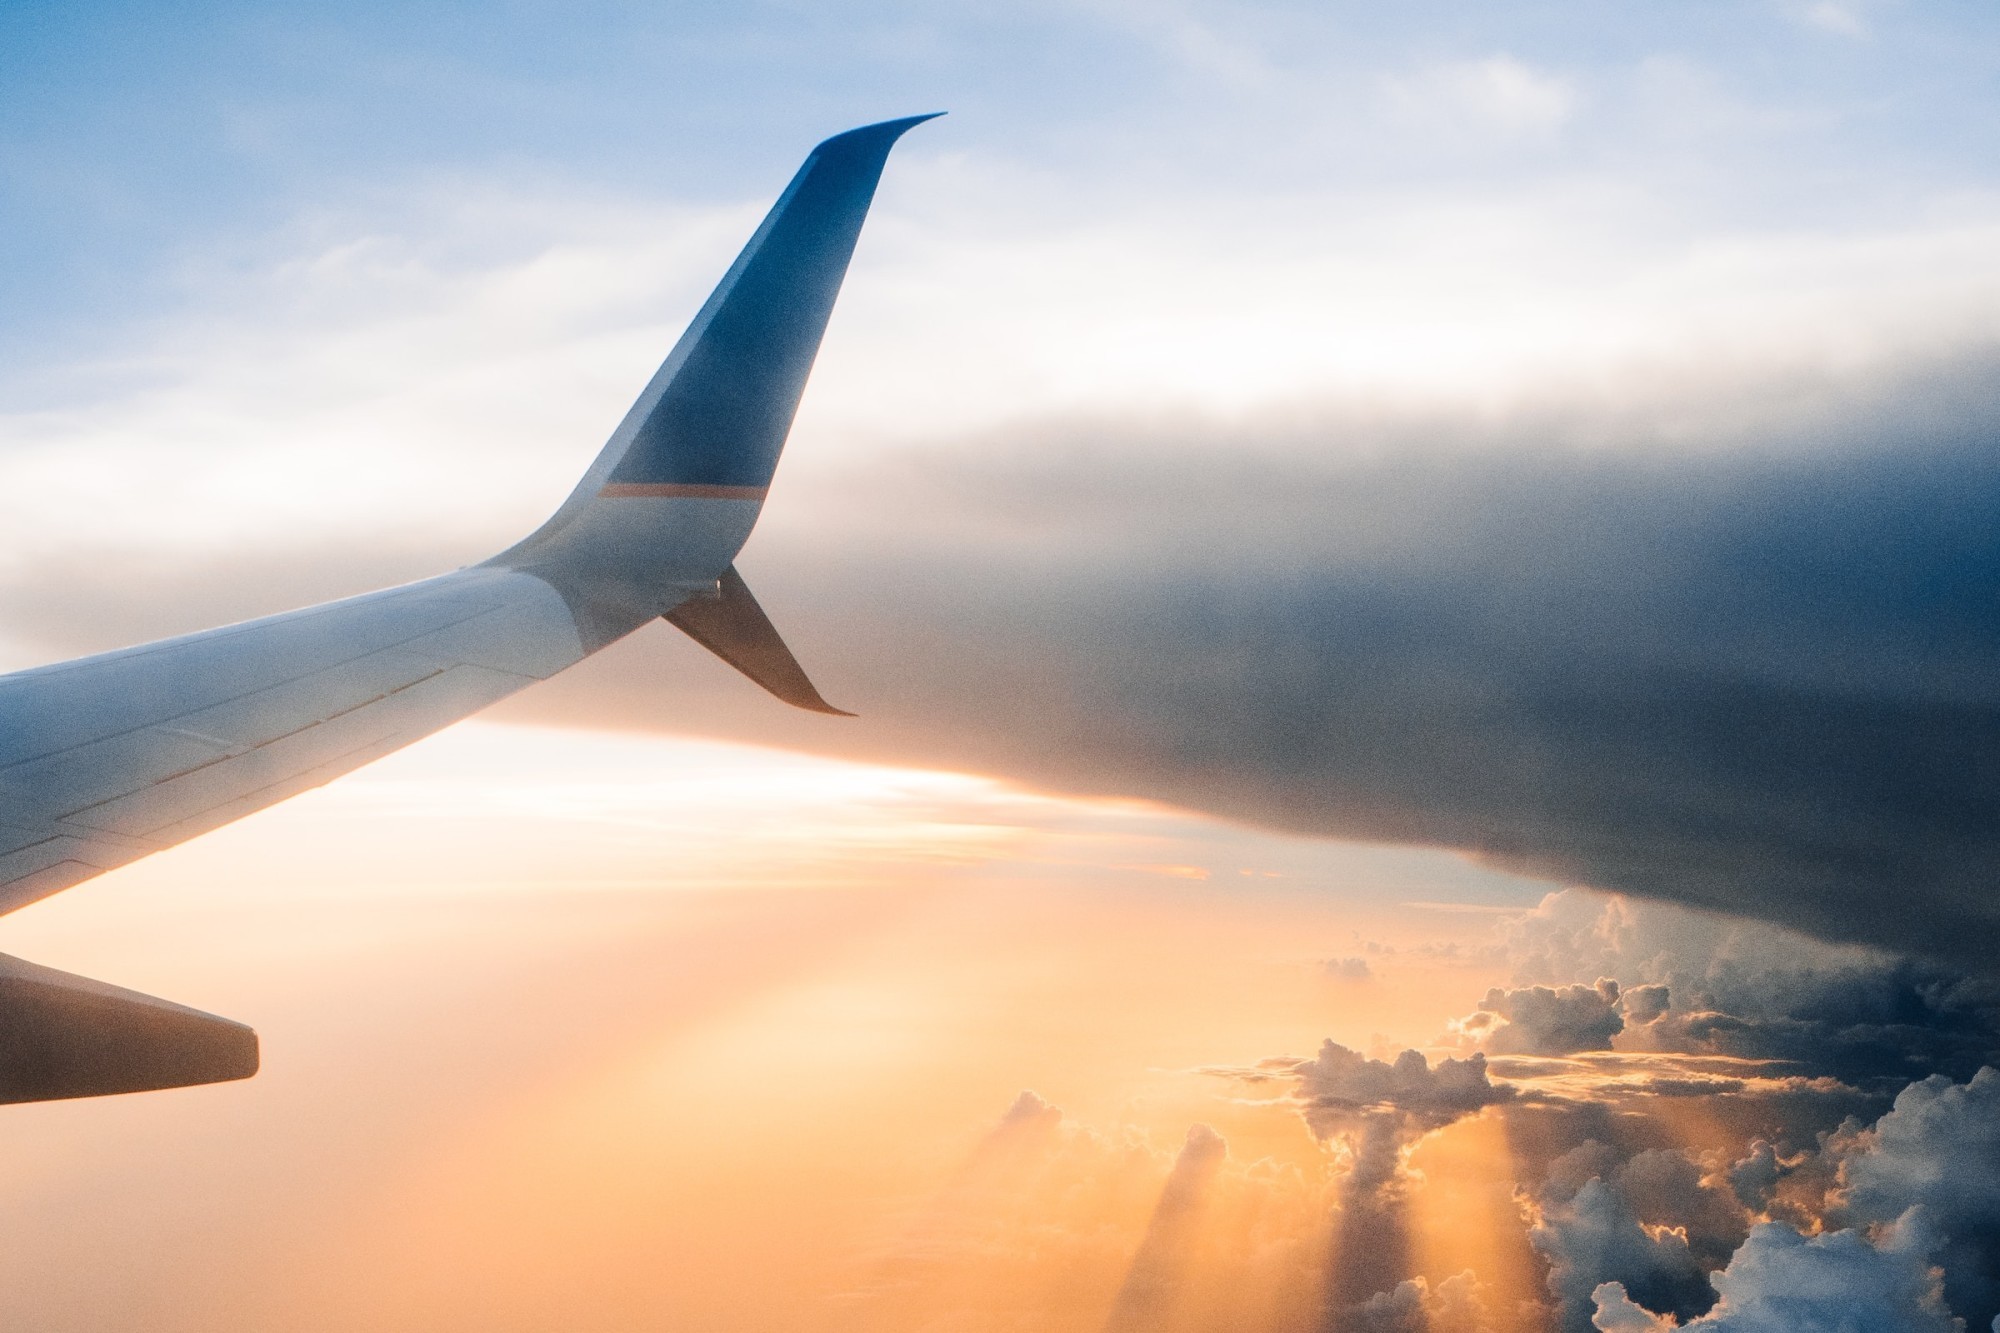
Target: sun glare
x: 653, y: 1023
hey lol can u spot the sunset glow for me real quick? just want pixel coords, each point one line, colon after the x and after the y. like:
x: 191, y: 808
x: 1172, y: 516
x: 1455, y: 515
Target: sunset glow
x: 814, y: 1032
x: 1408, y: 592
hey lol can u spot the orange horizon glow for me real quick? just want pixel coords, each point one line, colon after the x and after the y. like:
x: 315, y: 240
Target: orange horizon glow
x: 568, y: 1029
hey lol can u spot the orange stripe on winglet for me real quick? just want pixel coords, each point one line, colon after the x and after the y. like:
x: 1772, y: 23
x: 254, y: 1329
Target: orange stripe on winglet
x: 674, y: 490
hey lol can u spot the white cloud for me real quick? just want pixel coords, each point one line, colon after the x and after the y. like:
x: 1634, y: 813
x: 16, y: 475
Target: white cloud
x: 454, y: 367
x: 1782, y: 1282
x: 1843, y: 20
x: 1498, y: 96
x: 1546, y: 1020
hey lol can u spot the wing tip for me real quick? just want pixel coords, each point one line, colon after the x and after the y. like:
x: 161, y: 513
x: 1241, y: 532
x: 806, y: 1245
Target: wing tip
x: 887, y: 131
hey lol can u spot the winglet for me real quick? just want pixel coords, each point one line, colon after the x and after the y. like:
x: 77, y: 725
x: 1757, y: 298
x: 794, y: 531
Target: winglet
x: 713, y: 419
x: 718, y: 424
x: 733, y: 627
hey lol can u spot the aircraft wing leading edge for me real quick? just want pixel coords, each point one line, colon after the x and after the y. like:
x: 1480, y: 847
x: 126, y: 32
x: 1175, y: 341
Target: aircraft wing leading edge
x: 108, y: 758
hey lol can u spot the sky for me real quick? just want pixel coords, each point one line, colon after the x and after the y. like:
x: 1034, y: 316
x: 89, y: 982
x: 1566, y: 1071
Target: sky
x: 1417, y: 585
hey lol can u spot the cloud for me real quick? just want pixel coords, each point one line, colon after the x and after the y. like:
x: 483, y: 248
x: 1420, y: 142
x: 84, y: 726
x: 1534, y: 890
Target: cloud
x: 1755, y: 1178
x: 1938, y: 1147
x: 1842, y: 20
x: 1346, y: 969
x: 1701, y: 984
x: 1545, y: 1020
x: 1783, y: 1282
x: 1458, y: 1304
x: 1644, y: 1004
x: 1936, y: 1155
x: 1754, y: 677
x: 1643, y: 1232
x: 1913, y: 1190
x: 1700, y: 616
x: 1616, y: 1313
x: 1653, y: 1220
x: 1146, y: 1298
x: 1374, y: 1111
x: 1338, y: 1085
x: 1030, y: 1111
x: 1666, y: 1188
x: 1498, y: 96
x: 1594, y: 1238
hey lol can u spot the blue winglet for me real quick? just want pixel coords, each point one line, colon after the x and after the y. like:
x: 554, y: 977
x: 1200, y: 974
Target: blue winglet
x: 671, y: 498
x: 720, y: 422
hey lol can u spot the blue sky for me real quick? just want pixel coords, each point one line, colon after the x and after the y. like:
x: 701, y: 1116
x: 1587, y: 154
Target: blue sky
x: 1224, y: 206
x: 148, y: 140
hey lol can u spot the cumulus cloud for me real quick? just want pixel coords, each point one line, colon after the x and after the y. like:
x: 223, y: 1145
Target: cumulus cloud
x: 1337, y: 1085
x: 1456, y: 1305
x: 1664, y: 1187
x: 1755, y: 1178
x: 1147, y: 1295
x: 1640, y: 1232
x: 1654, y: 1220
x: 1702, y: 984
x: 1397, y: 1311
x: 1935, y: 1156
x: 1643, y: 1004
x: 1030, y: 1111
x: 1616, y: 1313
x: 1546, y: 1020
x: 1373, y: 1111
x: 1911, y: 1196
x: 1594, y: 1237
x: 1783, y: 1282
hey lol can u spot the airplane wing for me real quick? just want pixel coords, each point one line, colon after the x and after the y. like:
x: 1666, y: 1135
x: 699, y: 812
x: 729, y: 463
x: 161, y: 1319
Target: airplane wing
x: 108, y: 758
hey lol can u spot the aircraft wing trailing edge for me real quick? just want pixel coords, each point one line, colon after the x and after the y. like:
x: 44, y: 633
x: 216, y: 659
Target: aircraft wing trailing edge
x: 108, y: 758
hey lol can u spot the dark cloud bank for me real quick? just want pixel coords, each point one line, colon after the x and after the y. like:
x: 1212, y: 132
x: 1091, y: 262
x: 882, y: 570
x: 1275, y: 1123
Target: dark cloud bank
x: 1734, y: 647
x: 1747, y: 658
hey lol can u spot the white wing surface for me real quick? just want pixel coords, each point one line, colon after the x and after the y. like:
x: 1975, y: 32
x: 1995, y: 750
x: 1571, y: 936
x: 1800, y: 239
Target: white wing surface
x: 111, y: 757
x: 107, y: 758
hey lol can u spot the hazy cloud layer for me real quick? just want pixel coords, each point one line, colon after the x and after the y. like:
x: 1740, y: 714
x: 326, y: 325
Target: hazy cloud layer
x: 1146, y: 1297
x: 1755, y: 672
x: 1737, y: 651
x: 1721, y: 990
